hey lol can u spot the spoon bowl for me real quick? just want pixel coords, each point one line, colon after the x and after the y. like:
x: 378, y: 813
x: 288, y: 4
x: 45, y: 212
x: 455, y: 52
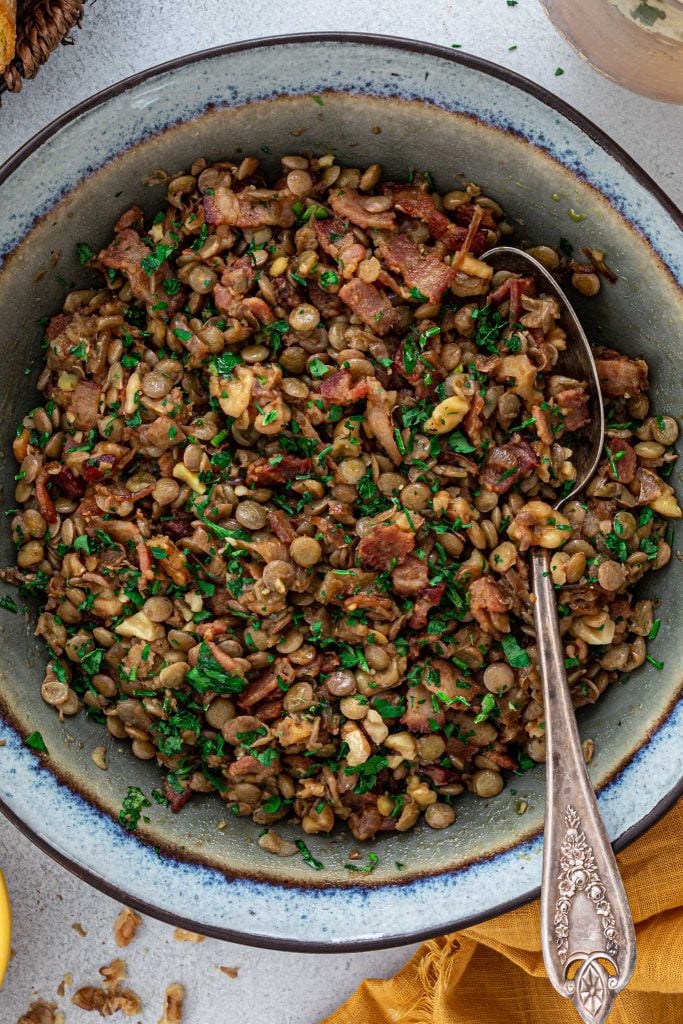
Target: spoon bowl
x: 575, y: 361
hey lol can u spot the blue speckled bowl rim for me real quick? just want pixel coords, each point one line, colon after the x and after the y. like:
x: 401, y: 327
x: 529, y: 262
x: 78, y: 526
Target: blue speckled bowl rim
x: 598, y: 136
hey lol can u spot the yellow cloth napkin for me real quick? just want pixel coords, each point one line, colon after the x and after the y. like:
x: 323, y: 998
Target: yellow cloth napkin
x: 493, y: 973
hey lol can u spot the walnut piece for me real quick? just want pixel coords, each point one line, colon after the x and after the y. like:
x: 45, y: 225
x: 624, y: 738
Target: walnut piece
x: 125, y: 927
x: 173, y: 1004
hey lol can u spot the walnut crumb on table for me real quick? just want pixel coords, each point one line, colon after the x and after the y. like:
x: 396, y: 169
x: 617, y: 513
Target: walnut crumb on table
x: 173, y: 1004
x: 40, y: 1012
x: 125, y: 927
x: 182, y: 935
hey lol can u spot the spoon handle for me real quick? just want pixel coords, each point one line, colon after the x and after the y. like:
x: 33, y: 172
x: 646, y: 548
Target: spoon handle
x: 587, y: 931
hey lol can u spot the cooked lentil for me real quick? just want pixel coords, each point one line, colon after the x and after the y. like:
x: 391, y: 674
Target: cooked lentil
x: 279, y: 496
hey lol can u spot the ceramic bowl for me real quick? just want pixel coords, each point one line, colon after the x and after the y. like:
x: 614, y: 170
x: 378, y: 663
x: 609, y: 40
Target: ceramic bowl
x: 404, y: 105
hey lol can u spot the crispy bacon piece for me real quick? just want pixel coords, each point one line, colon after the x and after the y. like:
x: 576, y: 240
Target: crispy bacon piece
x: 347, y: 203
x: 420, y: 715
x: 619, y: 376
x: 270, y: 710
x: 241, y: 211
x: 333, y: 235
x: 543, y: 428
x: 369, y: 303
x: 501, y: 759
x: 175, y: 800
x: 423, y: 379
x: 573, y: 405
x: 249, y: 765
x: 488, y: 604
x: 178, y: 526
x: 651, y: 486
x: 329, y: 304
x: 506, y: 463
x: 428, y: 599
x: 378, y: 606
x: 57, y: 325
x: 339, y: 388
x: 69, y: 484
x: 411, y: 577
x: 125, y: 253
x: 96, y: 468
x: 421, y: 270
x: 365, y: 823
x: 420, y: 205
x: 440, y: 776
x: 385, y: 546
x: 459, y: 753
x: 240, y: 275
x: 267, y: 683
x: 378, y: 423
x: 280, y: 526
x: 626, y: 464
x: 261, y: 472
x: 473, y: 422
x: 466, y: 212
x: 46, y: 505
x: 132, y: 218
x: 513, y: 289
x: 286, y: 292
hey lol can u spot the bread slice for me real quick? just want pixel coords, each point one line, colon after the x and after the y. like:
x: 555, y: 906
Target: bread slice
x: 8, y: 31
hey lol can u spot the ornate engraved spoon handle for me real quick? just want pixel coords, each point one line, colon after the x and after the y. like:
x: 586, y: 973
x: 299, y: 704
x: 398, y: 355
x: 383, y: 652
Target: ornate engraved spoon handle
x: 587, y: 931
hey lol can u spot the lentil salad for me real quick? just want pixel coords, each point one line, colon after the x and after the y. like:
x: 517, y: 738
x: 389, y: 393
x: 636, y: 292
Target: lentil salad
x: 279, y: 494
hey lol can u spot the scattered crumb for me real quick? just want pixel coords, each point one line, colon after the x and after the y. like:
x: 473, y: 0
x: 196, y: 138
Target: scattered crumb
x: 173, y: 1004
x: 231, y: 972
x: 99, y: 756
x: 272, y: 842
x: 79, y: 929
x: 40, y: 1012
x: 355, y: 855
x: 12, y: 952
x: 66, y: 982
x: 222, y: 824
x: 111, y: 998
x: 182, y: 935
x: 125, y: 927
x: 113, y: 974
x: 376, y: 130
x: 3, y: 743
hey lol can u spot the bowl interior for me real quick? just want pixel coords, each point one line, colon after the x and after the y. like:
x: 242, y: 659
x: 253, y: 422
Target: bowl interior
x: 403, y: 109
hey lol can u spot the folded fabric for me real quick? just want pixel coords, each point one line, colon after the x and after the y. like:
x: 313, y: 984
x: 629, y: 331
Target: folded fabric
x: 493, y: 973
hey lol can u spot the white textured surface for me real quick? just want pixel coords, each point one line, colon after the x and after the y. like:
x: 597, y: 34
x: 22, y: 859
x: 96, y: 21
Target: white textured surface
x: 120, y: 38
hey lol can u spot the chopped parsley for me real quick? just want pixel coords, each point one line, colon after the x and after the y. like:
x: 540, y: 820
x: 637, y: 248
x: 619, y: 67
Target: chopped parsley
x: 85, y: 253
x: 307, y: 856
x: 157, y: 256
x: 515, y: 655
x: 208, y: 675
x: 373, y: 861
x: 132, y: 808
x: 36, y: 742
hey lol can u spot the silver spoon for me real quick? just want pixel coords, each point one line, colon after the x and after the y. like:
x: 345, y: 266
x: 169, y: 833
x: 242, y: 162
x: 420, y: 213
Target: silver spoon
x: 587, y: 931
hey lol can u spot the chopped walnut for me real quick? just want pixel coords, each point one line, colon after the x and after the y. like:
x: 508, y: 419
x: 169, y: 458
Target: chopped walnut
x: 99, y: 757
x: 182, y: 935
x: 111, y: 998
x: 40, y: 1012
x: 125, y: 927
x: 66, y: 982
x: 173, y: 1004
